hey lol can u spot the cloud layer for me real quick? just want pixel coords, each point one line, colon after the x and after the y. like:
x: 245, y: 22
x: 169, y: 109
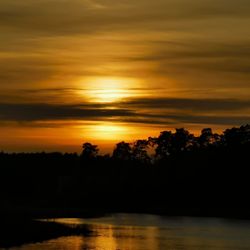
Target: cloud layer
x: 153, y: 111
x: 180, y: 62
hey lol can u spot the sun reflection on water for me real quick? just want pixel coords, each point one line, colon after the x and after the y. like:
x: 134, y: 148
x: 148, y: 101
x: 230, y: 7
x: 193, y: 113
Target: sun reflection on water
x: 150, y: 232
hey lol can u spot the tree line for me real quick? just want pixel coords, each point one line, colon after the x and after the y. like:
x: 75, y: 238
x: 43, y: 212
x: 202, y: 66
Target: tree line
x: 169, y: 144
x: 175, y: 173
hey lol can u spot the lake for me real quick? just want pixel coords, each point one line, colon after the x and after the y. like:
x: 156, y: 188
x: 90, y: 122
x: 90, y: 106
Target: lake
x: 151, y: 232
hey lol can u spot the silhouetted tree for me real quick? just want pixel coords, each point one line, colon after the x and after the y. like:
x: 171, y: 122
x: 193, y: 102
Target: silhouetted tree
x: 89, y: 151
x: 163, y: 144
x: 208, y: 138
x: 237, y: 136
x: 204, y: 175
x: 169, y: 143
x: 122, y: 151
x: 181, y: 140
x: 139, y: 151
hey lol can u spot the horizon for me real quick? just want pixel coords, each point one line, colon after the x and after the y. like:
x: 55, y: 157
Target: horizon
x: 109, y: 149
x: 106, y: 71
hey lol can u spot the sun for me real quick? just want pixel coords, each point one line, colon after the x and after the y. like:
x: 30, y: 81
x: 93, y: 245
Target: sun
x: 108, y: 89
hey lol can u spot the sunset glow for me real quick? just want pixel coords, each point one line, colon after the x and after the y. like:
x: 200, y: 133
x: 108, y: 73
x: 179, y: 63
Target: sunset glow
x: 107, y: 131
x: 149, y: 66
x: 108, y: 90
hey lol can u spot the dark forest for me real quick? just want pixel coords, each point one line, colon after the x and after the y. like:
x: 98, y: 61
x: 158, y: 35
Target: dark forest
x: 175, y: 173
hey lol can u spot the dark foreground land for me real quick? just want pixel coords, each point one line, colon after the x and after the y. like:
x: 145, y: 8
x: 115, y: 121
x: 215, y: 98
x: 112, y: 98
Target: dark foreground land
x: 17, y: 231
x: 187, y: 175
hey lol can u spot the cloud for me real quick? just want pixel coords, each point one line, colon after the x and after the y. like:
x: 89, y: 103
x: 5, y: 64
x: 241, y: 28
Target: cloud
x: 173, y: 50
x: 74, y: 16
x: 171, y: 57
x: 56, y: 40
x: 195, y: 105
x: 24, y: 70
x: 38, y: 112
x: 184, y: 120
x: 153, y: 111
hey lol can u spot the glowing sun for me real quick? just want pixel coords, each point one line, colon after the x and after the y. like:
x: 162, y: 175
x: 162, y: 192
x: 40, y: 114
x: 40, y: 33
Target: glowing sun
x: 108, y: 89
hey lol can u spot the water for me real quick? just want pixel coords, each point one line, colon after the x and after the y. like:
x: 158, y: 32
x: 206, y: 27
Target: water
x: 149, y: 232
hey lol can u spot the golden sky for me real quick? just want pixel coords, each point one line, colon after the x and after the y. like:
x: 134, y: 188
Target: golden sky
x: 108, y: 70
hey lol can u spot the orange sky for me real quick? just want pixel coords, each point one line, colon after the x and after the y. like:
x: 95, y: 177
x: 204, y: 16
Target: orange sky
x: 105, y: 70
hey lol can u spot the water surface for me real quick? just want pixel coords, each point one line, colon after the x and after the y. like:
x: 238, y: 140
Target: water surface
x: 150, y: 232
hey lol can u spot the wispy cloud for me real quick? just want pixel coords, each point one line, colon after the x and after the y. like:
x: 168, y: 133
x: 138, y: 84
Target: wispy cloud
x: 154, y: 111
x: 37, y: 112
x: 188, y: 60
x: 74, y: 16
x: 203, y: 105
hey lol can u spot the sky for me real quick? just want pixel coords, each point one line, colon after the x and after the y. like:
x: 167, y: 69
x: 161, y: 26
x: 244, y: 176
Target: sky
x: 104, y: 71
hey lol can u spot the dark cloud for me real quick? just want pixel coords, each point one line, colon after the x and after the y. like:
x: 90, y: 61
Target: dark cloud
x: 190, y: 104
x: 203, y: 105
x: 195, y: 50
x: 214, y: 120
x: 152, y: 111
x: 184, y: 120
x: 37, y: 112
